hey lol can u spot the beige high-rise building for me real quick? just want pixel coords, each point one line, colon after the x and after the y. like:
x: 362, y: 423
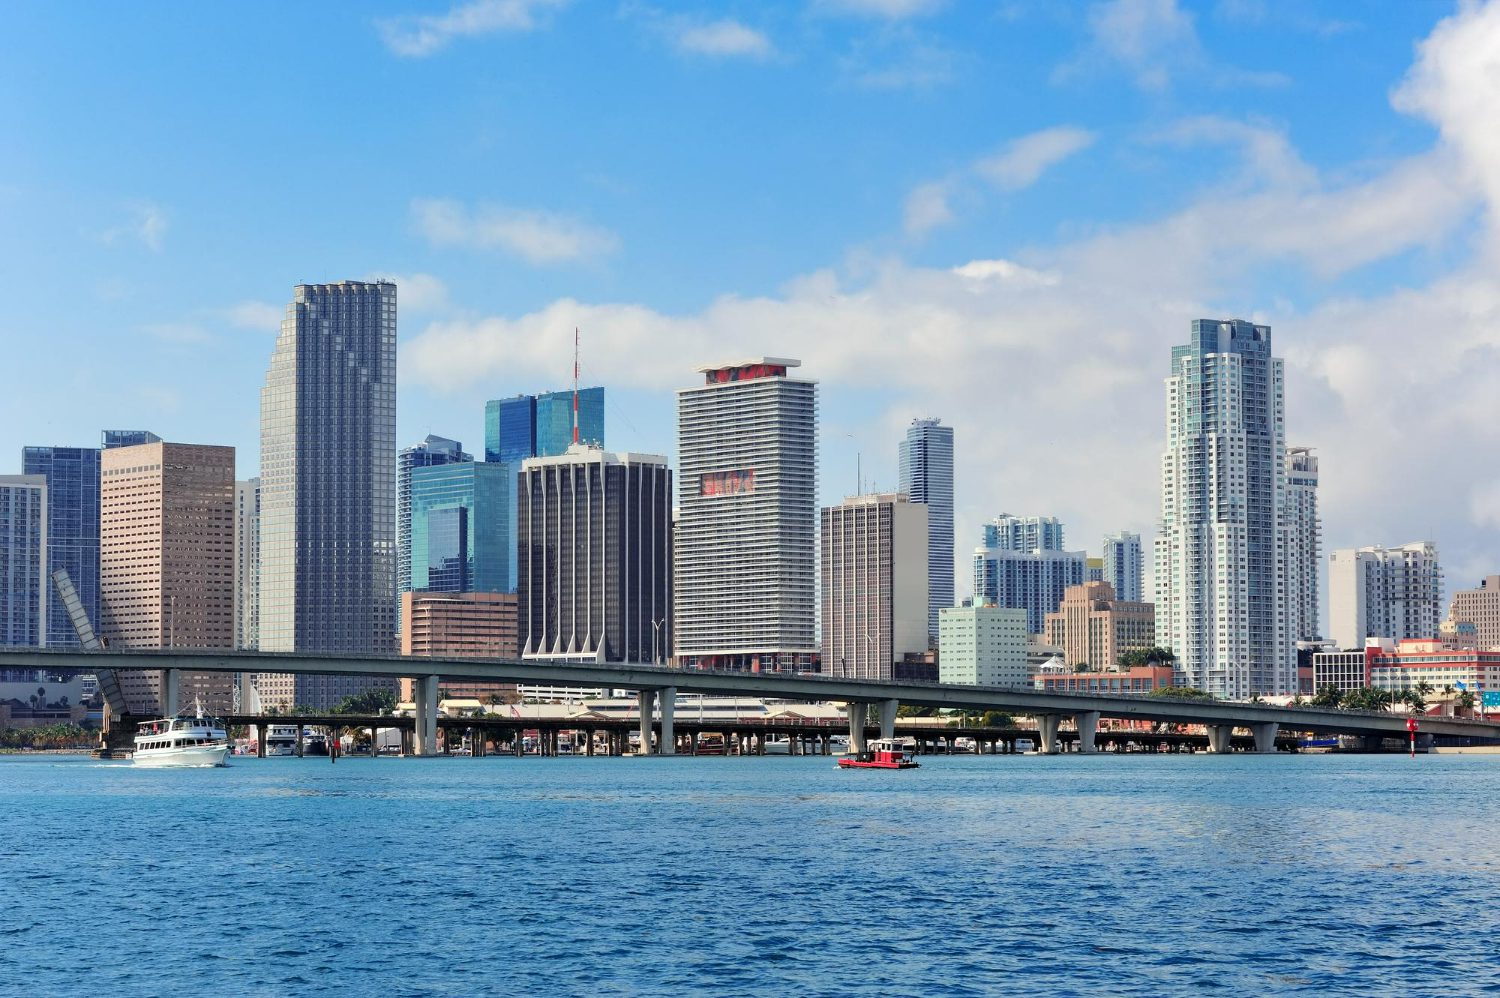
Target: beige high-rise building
x: 461, y: 625
x: 874, y: 562
x: 1480, y: 607
x: 1093, y: 627
x: 167, y: 561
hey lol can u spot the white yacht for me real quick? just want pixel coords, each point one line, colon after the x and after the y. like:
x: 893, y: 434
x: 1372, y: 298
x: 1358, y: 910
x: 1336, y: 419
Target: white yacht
x: 187, y: 741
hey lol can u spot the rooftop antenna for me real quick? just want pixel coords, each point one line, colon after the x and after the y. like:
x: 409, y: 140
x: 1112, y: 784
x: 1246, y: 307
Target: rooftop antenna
x: 575, y: 386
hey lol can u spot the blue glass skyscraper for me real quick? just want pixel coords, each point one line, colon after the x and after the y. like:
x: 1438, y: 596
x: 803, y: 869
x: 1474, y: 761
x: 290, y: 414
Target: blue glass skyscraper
x: 431, y: 452
x: 459, y: 514
x: 72, y: 475
x: 925, y: 465
x: 527, y: 426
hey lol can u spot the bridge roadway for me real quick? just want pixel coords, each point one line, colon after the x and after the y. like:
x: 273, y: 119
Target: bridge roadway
x: 655, y: 683
x: 745, y: 737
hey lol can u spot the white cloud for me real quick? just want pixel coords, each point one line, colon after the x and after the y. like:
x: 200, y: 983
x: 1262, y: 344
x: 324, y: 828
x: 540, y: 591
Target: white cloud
x: 1028, y: 157
x: 889, y: 10
x: 723, y: 38
x: 1070, y: 342
x: 417, y: 35
x: 1150, y: 39
x: 257, y: 315
x: 147, y: 225
x: 899, y: 59
x: 927, y: 208
x: 537, y: 236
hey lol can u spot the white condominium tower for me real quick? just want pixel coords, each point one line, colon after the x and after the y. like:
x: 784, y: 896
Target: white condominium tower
x: 1122, y: 565
x: 1221, y: 604
x: 925, y: 466
x: 745, y: 558
x: 1379, y: 592
x: 1304, y: 533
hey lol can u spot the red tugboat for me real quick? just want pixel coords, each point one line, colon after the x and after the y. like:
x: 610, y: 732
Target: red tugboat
x: 883, y: 753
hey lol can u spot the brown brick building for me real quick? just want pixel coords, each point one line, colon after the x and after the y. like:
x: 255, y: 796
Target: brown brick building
x: 461, y: 625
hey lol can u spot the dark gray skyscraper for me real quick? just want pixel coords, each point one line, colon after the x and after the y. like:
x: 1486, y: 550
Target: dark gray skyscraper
x: 926, y: 473
x: 328, y: 481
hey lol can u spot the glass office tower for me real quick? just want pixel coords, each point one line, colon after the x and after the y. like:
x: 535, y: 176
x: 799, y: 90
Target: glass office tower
x: 458, y: 518
x: 328, y: 481
x: 925, y: 466
x: 72, y: 475
x: 431, y: 452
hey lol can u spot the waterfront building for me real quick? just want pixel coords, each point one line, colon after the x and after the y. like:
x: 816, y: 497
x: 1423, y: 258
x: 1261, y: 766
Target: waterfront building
x: 1034, y: 581
x: 925, y: 471
x: 1122, y: 566
x: 24, y: 584
x: 1093, y: 627
x: 1343, y: 669
x: 1380, y: 592
x: 72, y: 475
x: 328, y: 483
x: 874, y: 561
x: 461, y: 625
x: 247, y: 563
x: 595, y: 582
x: 1480, y: 607
x: 1219, y: 553
x: 1024, y: 533
x: 167, y: 562
x: 746, y: 542
x: 1137, y: 679
x: 1304, y: 536
x: 983, y: 645
x: 431, y: 452
x: 459, y: 514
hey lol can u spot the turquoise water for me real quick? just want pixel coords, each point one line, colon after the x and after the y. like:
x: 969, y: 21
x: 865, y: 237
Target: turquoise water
x: 1138, y: 875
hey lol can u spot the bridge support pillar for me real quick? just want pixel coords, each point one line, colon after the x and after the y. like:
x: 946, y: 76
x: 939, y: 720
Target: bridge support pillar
x: 424, y: 738
x: 1218, y: 737
x: 668, y: 744
x: 1088, y: 729
x: 171, y: 692
x: 888, y: 718
x: 301, y: 740
x: 1265, y: 735
x: 646, y: 704
x: 857, y: 717
x: 260, y: 740
x: 1046, y: 725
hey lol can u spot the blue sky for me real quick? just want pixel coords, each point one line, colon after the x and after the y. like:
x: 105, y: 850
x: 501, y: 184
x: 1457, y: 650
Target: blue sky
x: 1002, y: 214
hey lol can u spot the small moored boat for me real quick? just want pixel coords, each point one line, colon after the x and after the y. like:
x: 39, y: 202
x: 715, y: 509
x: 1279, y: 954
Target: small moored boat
x: 883, y: 753
x: 182, y: 741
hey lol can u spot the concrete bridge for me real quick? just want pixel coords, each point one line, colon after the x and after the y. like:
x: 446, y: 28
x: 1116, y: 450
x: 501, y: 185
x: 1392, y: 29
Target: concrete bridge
x: 868, y: 701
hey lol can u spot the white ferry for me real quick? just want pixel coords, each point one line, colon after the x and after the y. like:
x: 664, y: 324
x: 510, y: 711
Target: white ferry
x: 182, y: 741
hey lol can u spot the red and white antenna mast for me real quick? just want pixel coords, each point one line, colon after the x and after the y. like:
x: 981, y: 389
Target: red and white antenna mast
x: 575, y: 386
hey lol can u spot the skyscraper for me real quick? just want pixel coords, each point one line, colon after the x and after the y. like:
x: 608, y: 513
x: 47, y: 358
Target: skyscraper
x: 23, y: 560
x: 1024, y: 533
x: 1219, y: 554
x: 1122, y: 565
x: 1304, y: 534
x: 1480, y: 607
x: 166, y: 566
x: 247, y: 563
x: 72, y: 475
x: 431, y: 452
x: 1379, y: 592
x: 459, y: 514
x: 925, y: 469
x: 528, y: 426
x: 1034, y: 581
x: 595, y: 557
x: 1093, y: 627
x: 746, y: 548
x: 328, y: 481
x: 875, y: 606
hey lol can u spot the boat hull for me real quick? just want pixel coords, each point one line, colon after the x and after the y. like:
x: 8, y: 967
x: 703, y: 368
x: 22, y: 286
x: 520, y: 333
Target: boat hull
x: 870, y: 764
x: 186, y: 757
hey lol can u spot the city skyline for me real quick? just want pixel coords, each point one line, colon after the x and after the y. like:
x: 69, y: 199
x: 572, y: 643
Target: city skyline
x: 880, y: 281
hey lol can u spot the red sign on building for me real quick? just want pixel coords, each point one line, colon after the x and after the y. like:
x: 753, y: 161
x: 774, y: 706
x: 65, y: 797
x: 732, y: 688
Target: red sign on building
x: 727, y: 483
